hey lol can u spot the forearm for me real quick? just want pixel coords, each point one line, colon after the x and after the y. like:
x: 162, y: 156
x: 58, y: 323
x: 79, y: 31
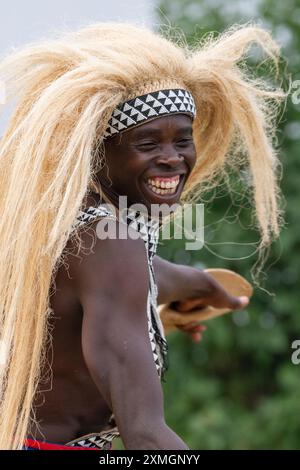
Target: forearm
x: 154, y: 438
x: 172, y: 282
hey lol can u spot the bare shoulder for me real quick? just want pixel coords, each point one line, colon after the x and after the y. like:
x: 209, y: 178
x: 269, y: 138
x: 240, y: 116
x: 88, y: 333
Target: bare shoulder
x: 103, y: 266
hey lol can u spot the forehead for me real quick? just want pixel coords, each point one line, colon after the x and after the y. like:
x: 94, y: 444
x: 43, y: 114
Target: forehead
x: 175, y: 123
x: 178, y: 122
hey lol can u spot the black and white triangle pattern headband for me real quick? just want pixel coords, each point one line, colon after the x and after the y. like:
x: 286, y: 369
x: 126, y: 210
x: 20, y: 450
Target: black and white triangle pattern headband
x: 150, y: 106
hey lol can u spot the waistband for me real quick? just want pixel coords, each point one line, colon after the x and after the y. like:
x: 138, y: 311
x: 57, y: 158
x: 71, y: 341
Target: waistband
x: 33, y: 444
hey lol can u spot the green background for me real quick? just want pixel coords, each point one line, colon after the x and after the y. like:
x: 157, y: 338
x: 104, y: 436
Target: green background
x: 238, y: 388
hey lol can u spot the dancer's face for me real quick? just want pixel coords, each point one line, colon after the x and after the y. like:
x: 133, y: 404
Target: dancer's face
x: 150, y: 163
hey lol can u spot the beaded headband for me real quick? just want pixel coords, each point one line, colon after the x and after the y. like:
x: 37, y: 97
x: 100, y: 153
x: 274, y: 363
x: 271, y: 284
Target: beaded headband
x: 152, y: 105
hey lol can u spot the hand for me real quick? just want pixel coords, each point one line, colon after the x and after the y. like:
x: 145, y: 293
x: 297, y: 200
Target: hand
x: 184, y: 289
x: 210, y: 292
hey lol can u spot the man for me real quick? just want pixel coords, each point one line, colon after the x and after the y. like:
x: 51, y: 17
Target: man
x: 161, y: 124
x: 101, y: 344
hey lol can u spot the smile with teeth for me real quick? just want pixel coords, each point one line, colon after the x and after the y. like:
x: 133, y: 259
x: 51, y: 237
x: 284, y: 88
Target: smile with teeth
x: 163, y: 185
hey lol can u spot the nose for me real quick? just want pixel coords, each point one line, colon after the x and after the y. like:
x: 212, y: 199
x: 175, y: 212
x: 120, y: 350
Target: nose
x: 170, y: 157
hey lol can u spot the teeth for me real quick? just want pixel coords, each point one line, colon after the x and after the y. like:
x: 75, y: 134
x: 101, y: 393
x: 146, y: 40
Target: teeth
x: 163, y: 187
x: 164, y: 184
x: 162, y: 191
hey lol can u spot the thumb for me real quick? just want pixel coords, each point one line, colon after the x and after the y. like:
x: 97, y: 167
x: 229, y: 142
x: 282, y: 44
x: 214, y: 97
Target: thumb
x: 238, y: 303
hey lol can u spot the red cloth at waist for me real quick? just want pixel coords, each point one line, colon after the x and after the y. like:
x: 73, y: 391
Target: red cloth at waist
x: 40, y: 445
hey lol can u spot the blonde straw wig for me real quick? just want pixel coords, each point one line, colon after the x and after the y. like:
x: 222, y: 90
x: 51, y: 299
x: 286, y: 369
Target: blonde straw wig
x: 65, y: 90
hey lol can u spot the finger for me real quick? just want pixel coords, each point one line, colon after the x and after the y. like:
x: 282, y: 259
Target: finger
x: 187, y: 305
x: 196, y: 337
x: 198, y: 328
x: 222, y: 299
x: 192, y: 326
x: 238, y: 303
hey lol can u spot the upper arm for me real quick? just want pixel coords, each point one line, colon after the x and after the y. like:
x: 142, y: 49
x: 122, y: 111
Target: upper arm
x: 113, y: 285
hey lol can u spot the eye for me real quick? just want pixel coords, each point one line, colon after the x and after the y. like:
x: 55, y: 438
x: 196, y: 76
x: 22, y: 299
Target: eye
x: 185, y: 142
x: 146, y: 145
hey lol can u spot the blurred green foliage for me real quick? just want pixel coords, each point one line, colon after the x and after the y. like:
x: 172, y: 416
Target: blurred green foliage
x: 238, y: 388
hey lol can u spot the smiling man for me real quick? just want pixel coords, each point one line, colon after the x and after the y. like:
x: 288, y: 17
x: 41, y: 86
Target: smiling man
x: 108, y: 111
x: 120, y: 345
x: 158, y: 156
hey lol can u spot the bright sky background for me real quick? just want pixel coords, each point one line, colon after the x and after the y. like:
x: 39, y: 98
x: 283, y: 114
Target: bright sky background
x: 25, y: 21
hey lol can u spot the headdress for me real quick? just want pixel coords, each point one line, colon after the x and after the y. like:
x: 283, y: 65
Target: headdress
x: 150, y: 106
